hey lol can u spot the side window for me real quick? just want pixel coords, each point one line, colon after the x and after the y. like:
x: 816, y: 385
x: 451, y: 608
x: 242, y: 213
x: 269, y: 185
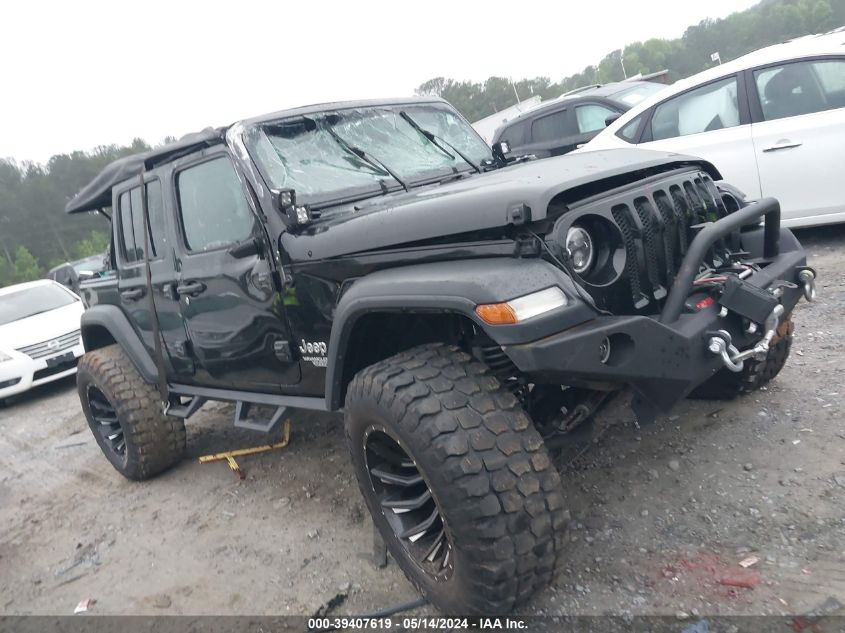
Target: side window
x: 711, y: 107
x: 631, y: 131
x: 801, y: 88
x: 132, y: 222
x: 591, y: 117
x: 551, y: 127
x: 155, y: 207
x: 212, y: 206
x: 127, y: 229
x: 515, y: 134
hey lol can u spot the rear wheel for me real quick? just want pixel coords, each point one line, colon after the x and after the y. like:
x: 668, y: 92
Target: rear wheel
x: 125, y: 415
x: 726, y: 385
x: 457, y: 479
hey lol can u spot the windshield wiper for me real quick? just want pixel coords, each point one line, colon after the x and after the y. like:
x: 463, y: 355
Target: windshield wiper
x: 434, y: 140
x: 368, y: 158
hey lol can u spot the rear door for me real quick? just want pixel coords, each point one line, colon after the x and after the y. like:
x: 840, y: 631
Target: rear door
x: 713, y: 122
x: 132, y: 283
x: 235, y: 319
x: 799, y: 137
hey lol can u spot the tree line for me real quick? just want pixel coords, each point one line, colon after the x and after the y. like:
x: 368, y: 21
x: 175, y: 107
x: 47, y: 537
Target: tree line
x: 36, y: 234
x: 768, y: 22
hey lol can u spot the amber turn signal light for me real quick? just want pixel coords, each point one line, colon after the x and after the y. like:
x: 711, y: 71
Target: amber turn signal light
x: 496, y: 314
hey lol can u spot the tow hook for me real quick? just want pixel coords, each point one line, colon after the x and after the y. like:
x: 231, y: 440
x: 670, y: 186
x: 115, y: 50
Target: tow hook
x: 808, y: 279
x: 720, y: 343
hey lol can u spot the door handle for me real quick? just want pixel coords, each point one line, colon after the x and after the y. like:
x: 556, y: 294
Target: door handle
x: 190, y: 288
x: 782, y: 145
x: 132, y: 295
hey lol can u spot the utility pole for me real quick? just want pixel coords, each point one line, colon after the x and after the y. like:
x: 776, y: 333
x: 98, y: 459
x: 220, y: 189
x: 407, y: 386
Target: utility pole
x: 513, y: 85
x: 622, y: 61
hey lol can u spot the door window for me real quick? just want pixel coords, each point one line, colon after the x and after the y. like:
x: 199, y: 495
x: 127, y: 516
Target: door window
x: 131, y: 212
x: 591, y: 117
x: 212, y: 206
x: 711, y: 107
x: 551, y: 127
x: 801, y: 88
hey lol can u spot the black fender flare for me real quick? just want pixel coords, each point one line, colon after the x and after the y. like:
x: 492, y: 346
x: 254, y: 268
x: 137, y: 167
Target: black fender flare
x: 112, y: 319
x: 456, y: 287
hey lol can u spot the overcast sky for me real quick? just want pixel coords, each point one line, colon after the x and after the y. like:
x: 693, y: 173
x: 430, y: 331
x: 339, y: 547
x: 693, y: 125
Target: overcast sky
x: 77, y: 74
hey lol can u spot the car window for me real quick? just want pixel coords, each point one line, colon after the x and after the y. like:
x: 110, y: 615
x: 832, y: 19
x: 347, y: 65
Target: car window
x: 131, y: 212
x: 155, y: 207
x: 551, y: 127
x: 127, y: 229
x: 630, y: 131
x: 515, y: 134
x: 708, y: 108
x: 800, y: 88
x: 212, y: 206
x: 591, y: 117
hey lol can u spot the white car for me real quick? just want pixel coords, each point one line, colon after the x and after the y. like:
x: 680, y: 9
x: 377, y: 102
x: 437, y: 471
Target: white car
x: 39, y: 335
x: 772, y: 122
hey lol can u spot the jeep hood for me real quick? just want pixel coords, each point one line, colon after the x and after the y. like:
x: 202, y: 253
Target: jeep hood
x: 478, y: 202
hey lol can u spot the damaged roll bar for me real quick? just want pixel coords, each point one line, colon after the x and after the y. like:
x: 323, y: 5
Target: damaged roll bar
x: 713, y: 231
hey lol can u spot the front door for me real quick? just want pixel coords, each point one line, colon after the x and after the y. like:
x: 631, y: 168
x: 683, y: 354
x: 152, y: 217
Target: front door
x: 235, y: 320
x: 799, y: 138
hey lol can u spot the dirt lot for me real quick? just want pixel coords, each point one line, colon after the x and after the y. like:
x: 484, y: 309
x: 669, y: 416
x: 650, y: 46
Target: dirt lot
x: 660, y: 515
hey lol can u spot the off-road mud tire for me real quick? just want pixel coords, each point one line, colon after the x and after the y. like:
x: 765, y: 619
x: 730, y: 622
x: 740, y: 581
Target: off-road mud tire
x: 727, y: 385
x: 487, y: 469
x: 154, y: 441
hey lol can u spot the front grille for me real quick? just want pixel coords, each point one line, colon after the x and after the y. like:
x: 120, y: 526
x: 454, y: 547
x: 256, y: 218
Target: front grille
x: 655, y: 221
x: 664, y: 217
x: 52, y: 346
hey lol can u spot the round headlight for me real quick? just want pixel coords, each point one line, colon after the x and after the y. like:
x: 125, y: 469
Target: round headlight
x: 579, y: 245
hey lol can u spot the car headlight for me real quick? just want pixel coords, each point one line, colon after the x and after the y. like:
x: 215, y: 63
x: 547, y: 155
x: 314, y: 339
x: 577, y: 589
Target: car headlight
x: 4, y: 357
x: 579, y: 245
x: 522, y: 308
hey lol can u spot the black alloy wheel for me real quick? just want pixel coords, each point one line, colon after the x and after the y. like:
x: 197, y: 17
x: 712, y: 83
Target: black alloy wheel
x: 408, y: 505
x: 108, y: 426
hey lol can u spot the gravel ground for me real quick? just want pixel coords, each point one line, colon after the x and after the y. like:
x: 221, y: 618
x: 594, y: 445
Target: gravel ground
x: 661, y: 516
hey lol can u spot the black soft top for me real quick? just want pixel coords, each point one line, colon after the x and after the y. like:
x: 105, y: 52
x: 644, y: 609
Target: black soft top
x: 97, y: 193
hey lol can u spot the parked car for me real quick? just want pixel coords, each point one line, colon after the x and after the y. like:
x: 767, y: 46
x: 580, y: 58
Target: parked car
x: 39, y: 335
x: 71, y: 273
x: 465, y: 312
x: 561, y: 125
x: 772, y: 122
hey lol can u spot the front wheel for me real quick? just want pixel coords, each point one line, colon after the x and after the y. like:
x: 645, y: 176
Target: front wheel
x: 125, y: 415
x: 457, y: 479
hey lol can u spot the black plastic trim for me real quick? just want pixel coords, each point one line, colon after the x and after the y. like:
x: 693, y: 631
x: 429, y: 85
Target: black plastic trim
x: 114, y: 321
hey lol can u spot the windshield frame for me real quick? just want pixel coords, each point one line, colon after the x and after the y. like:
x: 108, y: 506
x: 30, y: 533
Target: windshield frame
x: 355, y: 194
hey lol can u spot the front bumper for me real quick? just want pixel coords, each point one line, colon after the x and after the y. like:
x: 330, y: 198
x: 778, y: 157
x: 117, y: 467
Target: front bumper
x: 664, y: 358
x: 23, y: 373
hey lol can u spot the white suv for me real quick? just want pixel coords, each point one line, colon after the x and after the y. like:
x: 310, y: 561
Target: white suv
x: 772, y: 122
x: 39, y: 335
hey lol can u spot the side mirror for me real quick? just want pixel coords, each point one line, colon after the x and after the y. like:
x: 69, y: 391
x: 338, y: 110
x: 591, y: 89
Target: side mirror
x: 611, y: 118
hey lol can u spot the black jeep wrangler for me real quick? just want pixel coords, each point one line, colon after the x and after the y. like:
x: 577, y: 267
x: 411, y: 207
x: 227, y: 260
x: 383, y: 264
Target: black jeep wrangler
x: 464, y: 311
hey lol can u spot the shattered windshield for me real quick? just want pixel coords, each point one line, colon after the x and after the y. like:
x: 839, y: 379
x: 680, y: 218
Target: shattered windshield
x: 341, y: 154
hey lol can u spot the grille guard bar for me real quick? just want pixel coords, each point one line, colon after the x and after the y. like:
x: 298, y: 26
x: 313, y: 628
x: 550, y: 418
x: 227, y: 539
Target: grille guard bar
x: 712, y: 232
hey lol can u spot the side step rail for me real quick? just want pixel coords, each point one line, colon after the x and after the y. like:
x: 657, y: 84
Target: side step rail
x: 244, y: 421
x: 184, y: 410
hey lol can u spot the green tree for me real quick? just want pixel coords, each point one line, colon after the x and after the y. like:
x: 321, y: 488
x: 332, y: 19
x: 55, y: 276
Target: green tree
x: 26, y: 266
x: 95, y: 244
x: 768, y: 22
